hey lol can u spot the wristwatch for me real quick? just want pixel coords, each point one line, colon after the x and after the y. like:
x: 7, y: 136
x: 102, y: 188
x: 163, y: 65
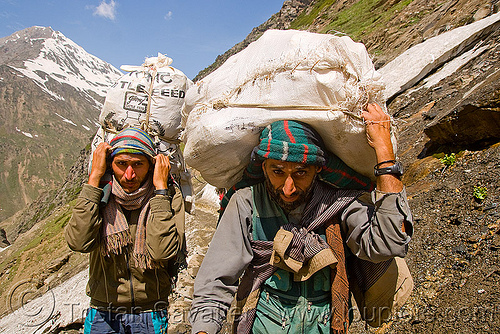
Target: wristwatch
x: 169, y: 192
x: 395, y: 169
x: 163, y: 192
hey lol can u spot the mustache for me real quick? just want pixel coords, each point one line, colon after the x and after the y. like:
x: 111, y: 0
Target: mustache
x: 275, y: 194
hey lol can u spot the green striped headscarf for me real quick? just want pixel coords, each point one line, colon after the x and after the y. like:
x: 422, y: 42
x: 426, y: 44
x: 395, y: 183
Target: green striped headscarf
x: 291, y: 141
x: 297, y: 142
x: 133, y: 140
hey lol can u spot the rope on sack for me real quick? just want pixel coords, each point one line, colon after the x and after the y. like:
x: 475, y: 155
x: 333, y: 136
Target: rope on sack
x: 361, y: 100
x: 224, y: 103
x: 152, y: 64
x: 220, y: 104
x: 150, y: 96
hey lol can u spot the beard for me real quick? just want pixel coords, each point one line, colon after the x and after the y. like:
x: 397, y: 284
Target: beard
x: 288, y: 206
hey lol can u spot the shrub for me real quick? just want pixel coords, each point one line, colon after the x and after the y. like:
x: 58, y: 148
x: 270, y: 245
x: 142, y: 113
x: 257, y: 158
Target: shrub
x: 480, y: 193
x: 448, y: 160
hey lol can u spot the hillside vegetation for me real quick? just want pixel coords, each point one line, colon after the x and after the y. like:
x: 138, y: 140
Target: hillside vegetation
x: 386, y: 27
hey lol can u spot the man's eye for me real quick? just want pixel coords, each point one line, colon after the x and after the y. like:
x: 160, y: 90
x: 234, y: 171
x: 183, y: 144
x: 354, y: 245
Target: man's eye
x: 278, y: 172
x: 301, y: 173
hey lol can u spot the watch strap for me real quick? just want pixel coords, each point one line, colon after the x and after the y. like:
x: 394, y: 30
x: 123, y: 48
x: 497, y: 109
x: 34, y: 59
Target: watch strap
x: 395, y: 169
x: 384, y: 162
x: 163, y: 192
x: 170, y: 192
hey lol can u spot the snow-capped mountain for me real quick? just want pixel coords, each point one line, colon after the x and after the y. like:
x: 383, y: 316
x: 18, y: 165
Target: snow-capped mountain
x: 51, y: 94
x: 40, y: 52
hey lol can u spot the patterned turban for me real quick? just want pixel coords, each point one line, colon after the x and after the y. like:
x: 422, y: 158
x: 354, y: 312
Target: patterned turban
x: 291, y: 141
x: 133, y: 140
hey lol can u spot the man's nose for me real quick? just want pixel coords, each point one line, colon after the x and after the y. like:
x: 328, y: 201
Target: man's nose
x: 129, y: 173
x: 289, y: 187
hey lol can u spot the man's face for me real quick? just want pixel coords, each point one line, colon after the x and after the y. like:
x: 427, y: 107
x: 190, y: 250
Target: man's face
x: 289, y: 183
x: 130, y: 170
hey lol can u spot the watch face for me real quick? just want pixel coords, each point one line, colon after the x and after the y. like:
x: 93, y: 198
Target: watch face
x: 398, y: 168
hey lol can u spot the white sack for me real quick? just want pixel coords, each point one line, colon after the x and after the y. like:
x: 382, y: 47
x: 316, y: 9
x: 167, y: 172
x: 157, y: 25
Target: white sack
x: 126, y: 101
x: 126, y: 105
x: 319, y: 79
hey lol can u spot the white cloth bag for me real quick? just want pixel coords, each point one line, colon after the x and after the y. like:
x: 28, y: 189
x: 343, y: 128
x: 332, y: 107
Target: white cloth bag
x: 320, y: 79
x: 127, y: 102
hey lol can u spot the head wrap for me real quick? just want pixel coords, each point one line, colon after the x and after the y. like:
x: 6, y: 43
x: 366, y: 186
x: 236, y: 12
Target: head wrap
x: 291, y: 141
x: 297, y: 142
x: 133, y: 140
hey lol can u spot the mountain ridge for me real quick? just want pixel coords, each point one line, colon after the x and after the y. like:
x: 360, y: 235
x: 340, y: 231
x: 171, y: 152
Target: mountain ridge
x: 49, y: 88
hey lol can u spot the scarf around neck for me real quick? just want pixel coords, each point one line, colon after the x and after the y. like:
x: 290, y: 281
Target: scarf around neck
x: 116, y: 231
x: 300, y: 250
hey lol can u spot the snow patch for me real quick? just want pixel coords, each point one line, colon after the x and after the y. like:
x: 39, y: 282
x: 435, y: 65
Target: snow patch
x: 48, y: 91
x: 4, y: 248
x: 70, y: 122
x: 65, y: 119
x: 86, y: 127
x: 58, y: 307
x: 453, y: 66
x: 418, y: 61
x: 209, y: 196
x: 27, y: 134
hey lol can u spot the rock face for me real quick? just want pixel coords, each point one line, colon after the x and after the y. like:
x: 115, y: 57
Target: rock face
x: 469, y: 124
x: 3, y: 239
x: 476, y: 117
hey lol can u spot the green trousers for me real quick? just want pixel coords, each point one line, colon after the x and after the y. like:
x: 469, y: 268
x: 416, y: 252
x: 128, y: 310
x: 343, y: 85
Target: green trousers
x: 294, y: 307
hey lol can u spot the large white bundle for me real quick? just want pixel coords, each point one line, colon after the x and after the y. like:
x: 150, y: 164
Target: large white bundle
x: 127, y: 102
x: 319, y: 79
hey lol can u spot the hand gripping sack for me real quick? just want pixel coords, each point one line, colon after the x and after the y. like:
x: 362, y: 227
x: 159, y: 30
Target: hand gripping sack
x: 320, y: 79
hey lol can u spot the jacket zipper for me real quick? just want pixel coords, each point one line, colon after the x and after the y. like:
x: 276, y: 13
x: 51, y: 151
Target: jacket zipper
x: 132, y: 299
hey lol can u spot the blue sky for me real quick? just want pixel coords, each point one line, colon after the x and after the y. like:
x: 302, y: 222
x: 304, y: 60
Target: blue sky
x: 124, y: 32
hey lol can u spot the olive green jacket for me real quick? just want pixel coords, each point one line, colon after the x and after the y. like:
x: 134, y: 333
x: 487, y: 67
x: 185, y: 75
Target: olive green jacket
x: 114, y: 281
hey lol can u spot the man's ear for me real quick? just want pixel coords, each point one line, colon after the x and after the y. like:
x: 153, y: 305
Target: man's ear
x: 319, y: 169
x: 151, y: 164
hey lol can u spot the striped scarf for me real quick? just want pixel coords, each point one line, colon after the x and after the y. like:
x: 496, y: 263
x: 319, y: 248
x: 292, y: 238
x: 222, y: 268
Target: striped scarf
x: 115, y: 230
x: 322, y: 209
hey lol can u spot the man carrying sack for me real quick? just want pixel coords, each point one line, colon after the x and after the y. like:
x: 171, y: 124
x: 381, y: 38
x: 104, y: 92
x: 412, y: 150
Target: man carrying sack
x: 289, y: 235
x: 133, y: 228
